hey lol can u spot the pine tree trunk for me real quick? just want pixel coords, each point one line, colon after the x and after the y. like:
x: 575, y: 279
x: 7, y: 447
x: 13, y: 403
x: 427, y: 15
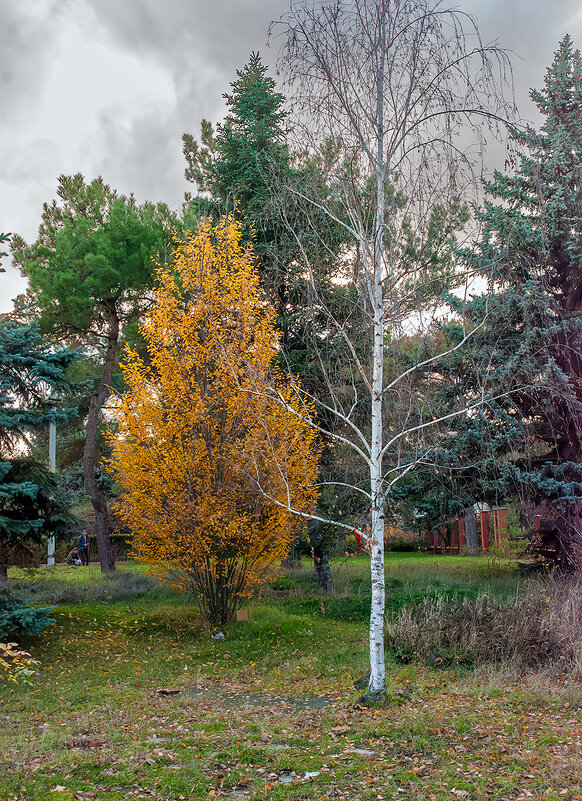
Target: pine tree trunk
x: 569, y: 537
x: 98, y: 500
x: 3, y: 574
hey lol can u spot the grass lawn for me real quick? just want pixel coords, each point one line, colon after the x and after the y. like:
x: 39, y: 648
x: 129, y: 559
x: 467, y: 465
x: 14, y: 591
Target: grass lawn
x: 136, y: 700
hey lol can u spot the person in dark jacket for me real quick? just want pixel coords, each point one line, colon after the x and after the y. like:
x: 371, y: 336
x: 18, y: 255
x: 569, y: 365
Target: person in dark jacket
x: 83, y: 546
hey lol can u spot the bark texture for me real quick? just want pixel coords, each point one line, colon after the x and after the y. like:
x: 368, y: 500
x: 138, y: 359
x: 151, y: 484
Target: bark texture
x: 98, y: 398
x: 322, y: 570
x: 471, y: 531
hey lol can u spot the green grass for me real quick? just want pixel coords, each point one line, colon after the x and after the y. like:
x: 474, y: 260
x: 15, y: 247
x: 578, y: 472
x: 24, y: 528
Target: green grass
x: 410, y: 579
x: 94, y: 722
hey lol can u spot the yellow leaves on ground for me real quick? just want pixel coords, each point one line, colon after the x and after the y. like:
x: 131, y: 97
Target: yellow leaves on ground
x: 213, y: 448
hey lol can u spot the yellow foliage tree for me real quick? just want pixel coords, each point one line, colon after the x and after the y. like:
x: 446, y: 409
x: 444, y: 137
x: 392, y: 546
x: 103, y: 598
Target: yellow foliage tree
x: 212, y: 450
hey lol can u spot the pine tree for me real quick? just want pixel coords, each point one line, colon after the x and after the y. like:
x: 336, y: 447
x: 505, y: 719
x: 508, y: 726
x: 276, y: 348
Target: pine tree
x: 90, y: 274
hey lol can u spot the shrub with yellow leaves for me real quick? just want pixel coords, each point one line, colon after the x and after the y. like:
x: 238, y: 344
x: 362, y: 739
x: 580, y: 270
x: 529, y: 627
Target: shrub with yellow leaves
x: 15, y: 663
x: 214, y: 453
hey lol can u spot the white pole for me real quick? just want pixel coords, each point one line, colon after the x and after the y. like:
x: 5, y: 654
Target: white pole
x: 53, y: 468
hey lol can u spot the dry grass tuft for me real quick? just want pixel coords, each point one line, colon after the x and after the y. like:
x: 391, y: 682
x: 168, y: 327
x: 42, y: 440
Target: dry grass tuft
x: 539, y: 630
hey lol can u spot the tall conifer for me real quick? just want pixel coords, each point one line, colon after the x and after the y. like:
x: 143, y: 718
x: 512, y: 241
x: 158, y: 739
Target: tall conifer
x: 530, y: 346
x: 30, y: 508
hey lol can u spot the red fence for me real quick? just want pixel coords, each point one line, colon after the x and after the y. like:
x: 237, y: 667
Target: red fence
x: 451, y: 536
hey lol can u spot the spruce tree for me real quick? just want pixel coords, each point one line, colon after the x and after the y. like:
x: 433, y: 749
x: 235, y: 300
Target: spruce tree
x: 245, y: 162
x: 30, y: 507
x: 527, y: 356
x: 245, y: 166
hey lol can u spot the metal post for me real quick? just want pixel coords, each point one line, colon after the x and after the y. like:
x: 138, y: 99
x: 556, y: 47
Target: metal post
x: 53, y: 468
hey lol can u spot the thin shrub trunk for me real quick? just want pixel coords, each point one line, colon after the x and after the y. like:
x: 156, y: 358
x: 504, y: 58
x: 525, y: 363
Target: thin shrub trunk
x: 322, y: 570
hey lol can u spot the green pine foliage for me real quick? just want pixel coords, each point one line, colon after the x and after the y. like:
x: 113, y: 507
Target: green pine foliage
x: 92, y: 259
x: 91, y: 271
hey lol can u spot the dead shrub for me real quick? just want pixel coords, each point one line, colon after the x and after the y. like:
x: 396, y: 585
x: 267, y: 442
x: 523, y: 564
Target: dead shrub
x: 538, y: 630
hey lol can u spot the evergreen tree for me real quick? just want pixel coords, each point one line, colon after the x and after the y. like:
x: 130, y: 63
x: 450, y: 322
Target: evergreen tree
x: 30, y: 508
x: 90, y: 273
x: 528, y: 354
x: 245, y: 165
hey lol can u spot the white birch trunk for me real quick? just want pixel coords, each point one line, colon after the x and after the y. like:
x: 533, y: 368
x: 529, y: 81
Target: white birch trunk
x: 377, y: 667
x: 395, y: 82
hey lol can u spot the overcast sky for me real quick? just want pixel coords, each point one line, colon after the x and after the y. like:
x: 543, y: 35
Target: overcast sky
x: 108, y: 87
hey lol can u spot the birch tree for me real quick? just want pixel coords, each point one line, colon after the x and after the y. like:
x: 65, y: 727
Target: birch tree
x: 187, y: 435
x: 407, y: 91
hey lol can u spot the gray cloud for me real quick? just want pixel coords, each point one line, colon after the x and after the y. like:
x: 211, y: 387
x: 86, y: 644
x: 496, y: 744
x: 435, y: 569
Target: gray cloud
x: 29, y: 37
x: 532, y: 30
x: 59, y: 118
x: 200, y: 43
x: 143, y: 157
x: 199, y: 46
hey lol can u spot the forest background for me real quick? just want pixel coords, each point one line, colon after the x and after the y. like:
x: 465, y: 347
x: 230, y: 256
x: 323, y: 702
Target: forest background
x: 91, y: 279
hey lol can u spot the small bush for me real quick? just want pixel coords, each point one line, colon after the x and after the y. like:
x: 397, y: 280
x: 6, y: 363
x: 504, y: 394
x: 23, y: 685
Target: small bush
x: 15, y: 664
x: 16, y: 618
x: 542, y: 629
x: 405, y: 545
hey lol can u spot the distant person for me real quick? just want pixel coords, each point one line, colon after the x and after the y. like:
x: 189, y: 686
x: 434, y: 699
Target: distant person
x: 73, y: 558
x: 83, y: 546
